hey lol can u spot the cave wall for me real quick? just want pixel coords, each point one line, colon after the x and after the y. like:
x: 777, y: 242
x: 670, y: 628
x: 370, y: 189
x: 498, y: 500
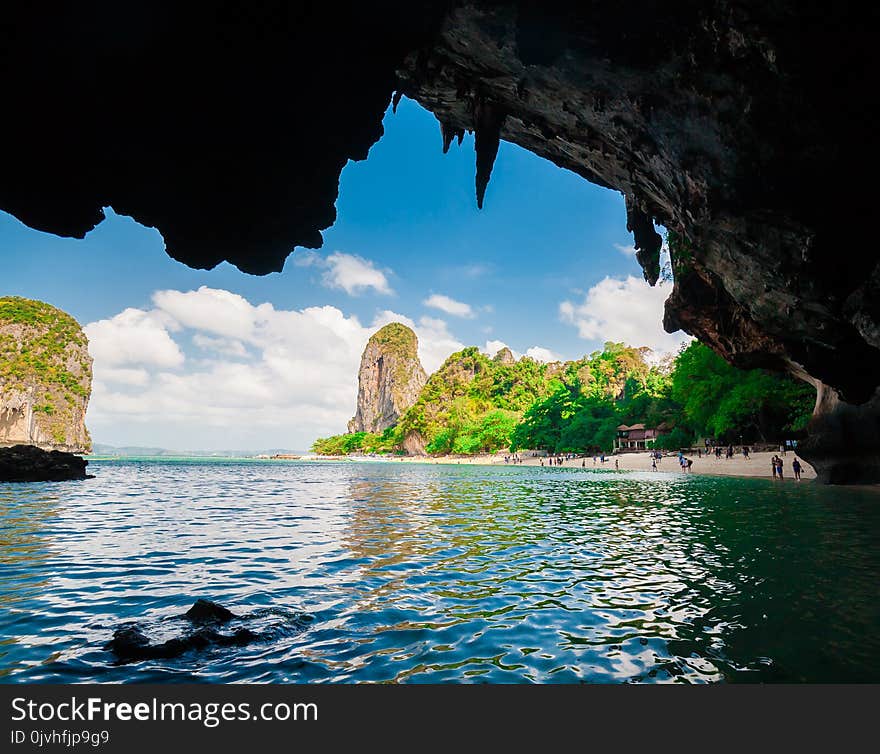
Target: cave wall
x: 745, y: 128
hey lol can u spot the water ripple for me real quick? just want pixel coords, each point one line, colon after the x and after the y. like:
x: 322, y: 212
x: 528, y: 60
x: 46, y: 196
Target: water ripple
x: 437, y: 574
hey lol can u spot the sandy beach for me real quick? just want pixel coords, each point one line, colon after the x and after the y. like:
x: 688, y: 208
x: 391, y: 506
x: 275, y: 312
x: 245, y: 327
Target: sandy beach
x: 757, y: 465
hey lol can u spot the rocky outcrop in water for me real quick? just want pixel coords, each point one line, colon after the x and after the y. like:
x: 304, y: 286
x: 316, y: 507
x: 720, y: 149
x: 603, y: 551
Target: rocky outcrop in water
x: 45, y: 377
x: 389, y: 379
x: 742, y: 126
x: 201, y: 628
x: 26, y: 463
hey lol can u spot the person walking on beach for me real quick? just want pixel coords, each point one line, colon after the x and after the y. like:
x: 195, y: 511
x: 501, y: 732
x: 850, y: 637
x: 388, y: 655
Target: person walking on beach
x: 796, y: 468
x: 616, y: 465
x: 653, y: 464
x: 746, y: 452
x: 779, y: 466
x: 773, y: 466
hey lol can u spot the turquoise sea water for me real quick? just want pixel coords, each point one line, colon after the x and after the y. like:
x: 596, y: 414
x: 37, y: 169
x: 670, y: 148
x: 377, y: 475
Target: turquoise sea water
x: 420, y: 573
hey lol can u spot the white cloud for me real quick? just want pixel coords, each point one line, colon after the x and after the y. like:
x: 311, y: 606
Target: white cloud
x: 294, y: 378
x: 305, y: 258
x: 354, y: 274
x: 225, y: 346
x: 539, y: 353
x: 133, y: 337
x: 121, y: 376
x: 623, y: 310
x: 348, y: 272
x: 627, y: 251
x: 436, y: 343
x: 494, y: 346
x: 212, y: 310
x: 449, y: 305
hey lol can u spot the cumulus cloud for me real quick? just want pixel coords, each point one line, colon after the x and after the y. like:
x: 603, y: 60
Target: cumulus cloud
x: 354, y: 274
x: 494, y: 346
x: 538, y: 353
x: 265, y: 377
x: 625, y: 310
x: 449, y: 305
x: 226, y: 346
x: 120, y: 376
x: 347, y: 272
x: 627, y: 251
x: 133, y: 337
x: 211, y: 310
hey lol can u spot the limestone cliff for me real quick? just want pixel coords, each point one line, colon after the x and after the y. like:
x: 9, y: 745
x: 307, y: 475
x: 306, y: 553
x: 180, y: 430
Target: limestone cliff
x: 389, y: 380
x: 45, y: 377
x: 504, y: 356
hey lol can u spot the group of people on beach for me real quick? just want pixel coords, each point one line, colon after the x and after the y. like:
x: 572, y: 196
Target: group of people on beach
x: 560, y: 459
x: 776, y: 467
x: 515, y: 458
x: 728, y: 452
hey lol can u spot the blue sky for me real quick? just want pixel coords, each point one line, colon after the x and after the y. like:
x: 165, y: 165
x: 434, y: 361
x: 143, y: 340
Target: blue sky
x: 545, y: 264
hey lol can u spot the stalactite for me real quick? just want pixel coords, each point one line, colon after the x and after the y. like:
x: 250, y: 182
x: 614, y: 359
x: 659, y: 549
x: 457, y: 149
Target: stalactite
x: 647, y: 240
x: 450, y: 132
x: 488, y: 120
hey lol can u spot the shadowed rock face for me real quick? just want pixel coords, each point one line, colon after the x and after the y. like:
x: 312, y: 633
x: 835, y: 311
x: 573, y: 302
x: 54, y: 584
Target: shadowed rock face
x: 743, y: 127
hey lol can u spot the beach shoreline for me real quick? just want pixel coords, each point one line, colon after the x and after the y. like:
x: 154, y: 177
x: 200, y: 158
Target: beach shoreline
x: 756, y: 466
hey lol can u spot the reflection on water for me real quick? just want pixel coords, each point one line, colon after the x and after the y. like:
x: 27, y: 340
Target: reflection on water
x: 433, y: 574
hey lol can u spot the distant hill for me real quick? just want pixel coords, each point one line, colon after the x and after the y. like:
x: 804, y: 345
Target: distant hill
x: 100, y: 449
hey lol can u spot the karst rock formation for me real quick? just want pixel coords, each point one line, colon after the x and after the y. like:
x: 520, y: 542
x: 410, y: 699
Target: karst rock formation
x: 45, y: 383
x: 45, y: 377
x: 390, y: 378
x: 746, y: 128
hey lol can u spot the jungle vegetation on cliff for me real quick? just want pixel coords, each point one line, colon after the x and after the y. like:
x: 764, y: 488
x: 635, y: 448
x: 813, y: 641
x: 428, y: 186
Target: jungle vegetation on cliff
x: 475, y: 404
x: 44, y: 353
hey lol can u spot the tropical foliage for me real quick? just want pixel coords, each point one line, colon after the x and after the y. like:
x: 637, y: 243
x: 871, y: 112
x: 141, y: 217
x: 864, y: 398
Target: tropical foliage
x: 475, y: 404
x: 43, y: 349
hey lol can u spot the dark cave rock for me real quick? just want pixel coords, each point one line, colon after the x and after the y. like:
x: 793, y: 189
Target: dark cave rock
x: 745, y: 128
x: 28, y: 463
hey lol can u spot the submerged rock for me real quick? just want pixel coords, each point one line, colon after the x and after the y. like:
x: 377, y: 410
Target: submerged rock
x: 200, y: 630
x: 130, y: 644
x: 26, y: 463
x: 205, y: 611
